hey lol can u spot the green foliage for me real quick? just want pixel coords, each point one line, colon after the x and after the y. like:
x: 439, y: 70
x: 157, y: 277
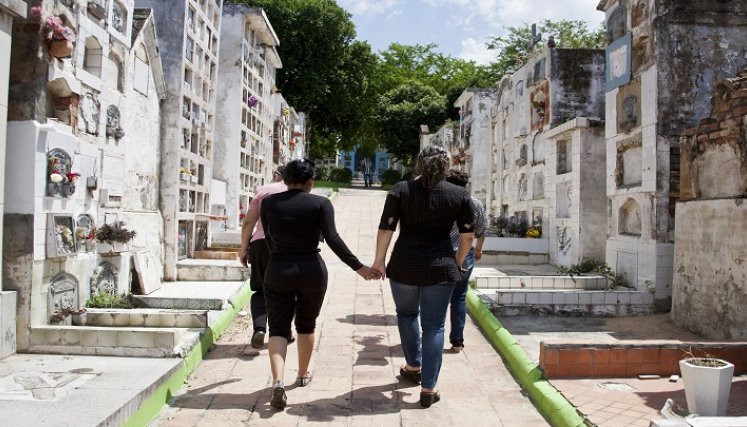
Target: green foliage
x: 341, y: 175
x: 325, y: 72
x: 390, y: 177
x: 513, y: 48
x: 321, y: 173
x: 401, y: 111
x: 597, y: 267
x: 115, y: 232
x: 402, y: 67
x: 106, y: 300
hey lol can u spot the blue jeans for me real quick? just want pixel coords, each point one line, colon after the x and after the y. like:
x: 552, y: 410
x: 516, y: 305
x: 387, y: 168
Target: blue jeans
x: 367, y: 179
x: 458, y: 301
x: 427, y: 304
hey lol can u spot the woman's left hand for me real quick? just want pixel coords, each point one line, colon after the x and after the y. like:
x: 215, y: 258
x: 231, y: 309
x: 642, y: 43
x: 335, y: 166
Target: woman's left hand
x: 368, y: 273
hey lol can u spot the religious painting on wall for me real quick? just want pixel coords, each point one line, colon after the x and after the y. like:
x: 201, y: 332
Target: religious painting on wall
x: 539, y: 100
x: 629, y: 106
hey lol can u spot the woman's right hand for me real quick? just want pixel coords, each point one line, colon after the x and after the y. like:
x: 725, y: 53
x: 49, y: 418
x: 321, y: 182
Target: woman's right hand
x: 380, y: 268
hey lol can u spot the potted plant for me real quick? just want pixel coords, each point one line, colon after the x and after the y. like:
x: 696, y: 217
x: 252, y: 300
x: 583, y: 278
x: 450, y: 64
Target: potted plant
x: 707, y: 384
x: 114, y: 236
x: 78, y: 316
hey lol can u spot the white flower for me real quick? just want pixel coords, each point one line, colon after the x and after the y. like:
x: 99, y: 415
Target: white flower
x: 56, y: 178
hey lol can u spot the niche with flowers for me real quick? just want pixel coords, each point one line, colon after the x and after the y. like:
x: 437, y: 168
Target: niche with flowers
x: 60, y: 177
x: 85, y: 233
x: 60, y: 236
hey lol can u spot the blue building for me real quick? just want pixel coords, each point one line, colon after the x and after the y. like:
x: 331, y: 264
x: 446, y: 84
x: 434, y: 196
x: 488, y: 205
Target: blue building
x: 352, y: 161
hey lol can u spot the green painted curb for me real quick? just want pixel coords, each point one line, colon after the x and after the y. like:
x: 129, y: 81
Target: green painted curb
x: 161, y: 396
x: 547, y: 399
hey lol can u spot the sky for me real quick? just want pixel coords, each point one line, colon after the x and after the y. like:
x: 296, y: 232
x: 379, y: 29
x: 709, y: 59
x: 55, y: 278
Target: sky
x: 460, y: 28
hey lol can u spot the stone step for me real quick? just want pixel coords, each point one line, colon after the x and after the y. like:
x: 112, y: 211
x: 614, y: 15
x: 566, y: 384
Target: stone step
x: 113, y: 341
x: 228, y: 238
x: 146, y: 318
x: 192, y: 295
x: 211, y: 270
x: 519, y: 302
x: 540, y: 282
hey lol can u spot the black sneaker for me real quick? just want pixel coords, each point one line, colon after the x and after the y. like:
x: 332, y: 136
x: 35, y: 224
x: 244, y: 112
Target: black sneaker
x: 258, y: 339
x: 278, y: 399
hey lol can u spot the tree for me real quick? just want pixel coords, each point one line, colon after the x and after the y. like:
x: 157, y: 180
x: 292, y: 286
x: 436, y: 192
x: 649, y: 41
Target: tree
x: 514, y: 51
x: 401, y: 111
x: 448, y: 75
x: 325, y: 71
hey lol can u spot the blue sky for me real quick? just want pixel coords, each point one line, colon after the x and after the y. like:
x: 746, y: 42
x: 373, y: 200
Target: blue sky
x: 459, y: 27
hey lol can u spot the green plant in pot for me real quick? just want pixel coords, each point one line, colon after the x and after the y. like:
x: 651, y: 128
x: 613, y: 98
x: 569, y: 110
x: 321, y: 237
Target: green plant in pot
x: 116, y: 235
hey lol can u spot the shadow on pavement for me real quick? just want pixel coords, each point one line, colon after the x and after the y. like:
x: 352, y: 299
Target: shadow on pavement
x: 369, y: 319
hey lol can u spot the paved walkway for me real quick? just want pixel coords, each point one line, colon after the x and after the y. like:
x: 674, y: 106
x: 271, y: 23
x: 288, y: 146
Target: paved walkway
x: 355, y: 362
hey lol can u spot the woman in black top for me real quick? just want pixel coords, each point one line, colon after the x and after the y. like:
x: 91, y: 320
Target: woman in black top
x: 423, y: 267
x: 296, y: 276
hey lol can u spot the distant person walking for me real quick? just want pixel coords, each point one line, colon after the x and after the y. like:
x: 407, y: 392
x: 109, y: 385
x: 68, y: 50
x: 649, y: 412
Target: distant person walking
x: 458, y: 312
x: 254, y: 252
x: 367, y: 169
x: 423, y: 267
x: 296, y: 276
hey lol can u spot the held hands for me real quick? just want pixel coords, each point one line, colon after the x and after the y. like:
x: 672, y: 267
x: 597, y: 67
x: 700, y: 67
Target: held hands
x: 368, y: 273
x: 380, y: 268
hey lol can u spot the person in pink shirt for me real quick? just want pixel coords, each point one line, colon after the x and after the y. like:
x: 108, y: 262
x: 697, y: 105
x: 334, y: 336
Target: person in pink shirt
x: 254, y: 251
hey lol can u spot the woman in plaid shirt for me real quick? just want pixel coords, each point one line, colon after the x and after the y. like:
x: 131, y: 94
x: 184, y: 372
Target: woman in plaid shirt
x: 423, y: 267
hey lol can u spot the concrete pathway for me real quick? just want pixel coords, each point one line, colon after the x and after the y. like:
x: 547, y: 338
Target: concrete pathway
x: 355, y: 362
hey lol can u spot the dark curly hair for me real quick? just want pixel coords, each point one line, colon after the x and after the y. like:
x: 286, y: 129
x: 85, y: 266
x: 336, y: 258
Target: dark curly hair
x: 298, y: 171
x: 432, y: 163
x: 457, y: 177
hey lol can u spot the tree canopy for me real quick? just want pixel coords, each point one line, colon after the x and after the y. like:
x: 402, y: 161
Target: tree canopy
x: 405, y: 72
x: 325, y: 70
x: 514, y: 51
x: 399, y: 114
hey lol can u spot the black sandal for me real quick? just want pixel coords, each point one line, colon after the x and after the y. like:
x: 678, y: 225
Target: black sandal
x: 414, y: 376
x: 428, y: 399
x: 305, y: 380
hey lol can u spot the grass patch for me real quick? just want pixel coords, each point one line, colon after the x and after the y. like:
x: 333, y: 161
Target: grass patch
x: 335, y: 186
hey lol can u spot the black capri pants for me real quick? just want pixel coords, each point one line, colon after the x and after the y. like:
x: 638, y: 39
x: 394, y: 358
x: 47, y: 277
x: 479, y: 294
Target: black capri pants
x: 295, y: 284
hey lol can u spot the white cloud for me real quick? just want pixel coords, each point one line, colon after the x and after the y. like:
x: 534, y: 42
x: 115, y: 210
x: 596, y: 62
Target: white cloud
x: 473, y: 50
x: 515, y: 13
x: 368, y: 7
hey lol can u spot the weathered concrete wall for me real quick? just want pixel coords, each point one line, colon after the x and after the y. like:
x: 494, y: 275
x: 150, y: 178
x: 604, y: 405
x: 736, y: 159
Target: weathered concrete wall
x: 577, y: 84
x: 710, y: 285
x: 477, y: 138
x: 575, y: 188
x: 697, y: 42
x: 229, y: 107
x: 710, y: 282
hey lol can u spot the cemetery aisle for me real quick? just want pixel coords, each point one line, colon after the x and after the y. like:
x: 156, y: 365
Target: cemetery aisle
x: 355, y: 363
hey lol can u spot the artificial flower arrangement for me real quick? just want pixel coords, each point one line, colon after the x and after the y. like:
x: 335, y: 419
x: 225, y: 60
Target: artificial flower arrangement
x: 252, y: 101
x: 534, y: 232
x: 56, y: 34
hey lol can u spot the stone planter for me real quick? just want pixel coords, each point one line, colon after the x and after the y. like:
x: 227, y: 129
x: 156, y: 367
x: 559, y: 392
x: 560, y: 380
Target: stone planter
x: 79, y: 319
x: 113, y: 248
x: 707, y: 385
x: 184, y: 177
x: 60, y: 48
